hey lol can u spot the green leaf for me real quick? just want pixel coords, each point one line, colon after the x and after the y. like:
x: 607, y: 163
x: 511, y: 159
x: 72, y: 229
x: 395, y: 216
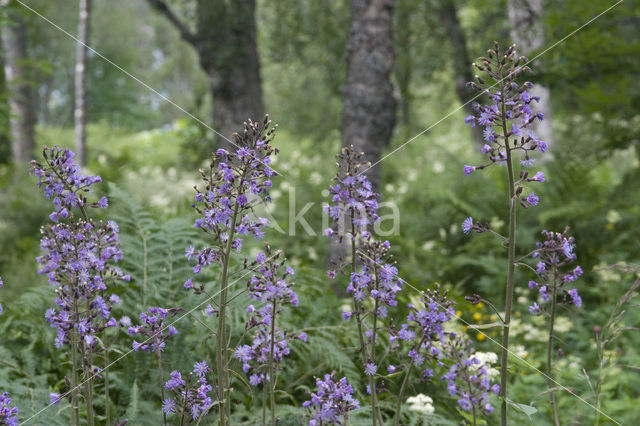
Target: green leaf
x: 528, y: 410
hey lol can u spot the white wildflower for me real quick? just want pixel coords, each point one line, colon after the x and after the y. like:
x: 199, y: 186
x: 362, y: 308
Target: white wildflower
x: 421, y: 403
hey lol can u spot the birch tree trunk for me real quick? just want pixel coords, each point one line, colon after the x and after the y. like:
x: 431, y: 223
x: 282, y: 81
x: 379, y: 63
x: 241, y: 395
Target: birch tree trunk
x: 21, y: 95
x: 525, y: 17
x: 80, y: 82
x: 369, y: 108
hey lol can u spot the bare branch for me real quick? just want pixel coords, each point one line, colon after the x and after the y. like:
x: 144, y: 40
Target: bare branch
x: 163, y: 8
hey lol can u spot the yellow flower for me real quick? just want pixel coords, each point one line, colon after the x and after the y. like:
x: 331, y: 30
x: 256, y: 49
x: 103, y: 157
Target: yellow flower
x: 458, y: 313
x: 481, y: 337
x: 480, y: 305
x: 477, y: 316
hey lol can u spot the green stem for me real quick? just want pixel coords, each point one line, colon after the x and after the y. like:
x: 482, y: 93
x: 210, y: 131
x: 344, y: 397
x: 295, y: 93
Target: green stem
x: 160, y: 375
x: 396, y: 420
x: 88, y: 380
x: 363, y: 345
x: 504, y: 356
x: 105, y: 357
x: 272, y: 370
x: 75, y: 409
x: 264, y: 404
x: 221, y: 347
x: 550, y: 381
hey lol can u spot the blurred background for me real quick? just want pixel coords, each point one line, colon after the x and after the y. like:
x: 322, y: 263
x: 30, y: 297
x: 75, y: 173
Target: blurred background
x: 140, y: 104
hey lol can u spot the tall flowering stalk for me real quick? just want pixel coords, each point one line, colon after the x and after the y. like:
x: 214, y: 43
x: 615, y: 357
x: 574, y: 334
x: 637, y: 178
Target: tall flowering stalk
x: 554, y: 255
x: 506, y: 120
x: 234, y: 183
x: 424, y: 331
x: 154, y: 336
x: 373, y: 278
x: 468, y: 377
x: 430, y: 346
x: 77, y: 258
x: 270, y: 284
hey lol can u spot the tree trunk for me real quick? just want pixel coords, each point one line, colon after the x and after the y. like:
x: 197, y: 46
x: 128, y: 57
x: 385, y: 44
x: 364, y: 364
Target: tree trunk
x: 528, y: 34
x: 21, y: 94
x: 80, y: 111
x: 5, y: 139
x: 461, y: 63
x: 403, y: 64
x: 369, y: 108
x: 229, y: 55
x: 225, y: 39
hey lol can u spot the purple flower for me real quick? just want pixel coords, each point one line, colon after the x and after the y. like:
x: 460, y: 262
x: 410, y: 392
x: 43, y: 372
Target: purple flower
x: 467, y: 225
x: 535, y: 309
x: 8, y: 414
x: 54, y: 398
x: 332, y: 401
x: 190, y: 395
x: 103, y: 203
x: 539, y: 177
x: 370, y: 369
x: 575, y: 297
x: 468, y: 170
x: 200, y: 368
x: 533, y: 199
x: 153, y: 330
x: 346, y: 315
x: 168, y: 406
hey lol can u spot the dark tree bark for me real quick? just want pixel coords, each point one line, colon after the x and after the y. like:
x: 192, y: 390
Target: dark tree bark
x: 461, y: 63
x: 403, y: 63
x: 525, y: 17
x: 21, y: 94
x: 80, y: 111
x: 369, y: 109
x: 225, y: 39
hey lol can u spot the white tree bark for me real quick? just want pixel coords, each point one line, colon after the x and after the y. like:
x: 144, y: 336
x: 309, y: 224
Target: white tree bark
x: 80, y: 109
x: 525, y: 17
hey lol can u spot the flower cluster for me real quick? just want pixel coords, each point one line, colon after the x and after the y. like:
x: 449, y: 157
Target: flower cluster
x: 507, y: 118
x: 421, y: 404
x: 190, y: 395
x: 553, y: 255
x: 8, y: 414
x: 255, y: 358
x: 377, y: 278
x: 352, y: 197
x: 233, y: 185
x: 63, y: 183
x: 424, y: 330
x: 332, y: 402
x: 153, y: 331
x: 468, y: 377
x: 268, y: 285
x: 78, y: 256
